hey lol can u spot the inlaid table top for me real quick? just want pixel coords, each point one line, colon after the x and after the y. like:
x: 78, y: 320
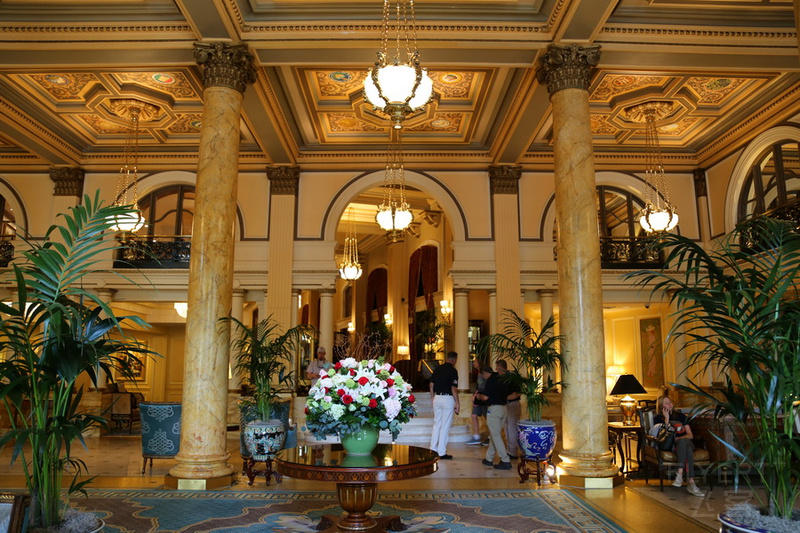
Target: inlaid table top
x: 329, y: 462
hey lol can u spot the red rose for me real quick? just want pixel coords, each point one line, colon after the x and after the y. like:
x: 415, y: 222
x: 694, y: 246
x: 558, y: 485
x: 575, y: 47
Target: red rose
x: 391, y: 368
x: 352, y: 372
x: 340, y: 392
x: 347, y: 399
x: 306, y: 411
x: 338, y: 365
x: 327, y: 390
x: 411, y: 398
x: 373, y: 403
x: 363, y: 380
x: 389, y: 382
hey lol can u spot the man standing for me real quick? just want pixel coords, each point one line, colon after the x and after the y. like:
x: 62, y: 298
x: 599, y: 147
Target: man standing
x: 494, y: 394
x: 317, y: 365
x: 513, y: 409
x: 444, y: 396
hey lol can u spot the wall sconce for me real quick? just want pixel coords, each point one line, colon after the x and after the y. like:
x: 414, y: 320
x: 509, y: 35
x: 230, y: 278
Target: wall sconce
x: 627, y: 384
x: 182, y: 308
x: 444, y: 307
x: 387, y: 318
x: 350, y: 327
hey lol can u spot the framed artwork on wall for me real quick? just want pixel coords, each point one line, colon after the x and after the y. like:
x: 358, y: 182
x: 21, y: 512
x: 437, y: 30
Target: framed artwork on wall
x: 652, y: 352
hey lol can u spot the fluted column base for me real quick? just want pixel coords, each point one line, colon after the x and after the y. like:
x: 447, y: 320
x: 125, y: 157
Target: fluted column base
x: 194, y: 472
x: 587, y: 464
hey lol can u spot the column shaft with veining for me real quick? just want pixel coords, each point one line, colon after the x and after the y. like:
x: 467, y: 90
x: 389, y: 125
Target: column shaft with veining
x: 566, y: 70
x: 283, y: 187
x: 504, y: 185
x: 203, y: 458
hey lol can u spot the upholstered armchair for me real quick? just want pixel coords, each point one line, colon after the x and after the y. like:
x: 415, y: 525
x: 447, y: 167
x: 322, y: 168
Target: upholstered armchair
x: 161, y: 430
x: 665, y: 461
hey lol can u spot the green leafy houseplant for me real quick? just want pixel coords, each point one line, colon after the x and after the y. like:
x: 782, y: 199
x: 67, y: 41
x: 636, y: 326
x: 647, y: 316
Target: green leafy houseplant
x: 55, y: 331
x: 264, y: 356
x: 534, y: 357
x: 739, y: 315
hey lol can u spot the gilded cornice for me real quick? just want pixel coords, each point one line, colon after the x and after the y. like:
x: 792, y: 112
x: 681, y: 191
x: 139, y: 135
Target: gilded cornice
x: 617, y: 30
x: 119, y: 31
x: 23, y: 119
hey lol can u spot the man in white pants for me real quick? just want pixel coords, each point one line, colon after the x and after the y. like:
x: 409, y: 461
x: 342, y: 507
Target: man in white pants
x: 444, y: 396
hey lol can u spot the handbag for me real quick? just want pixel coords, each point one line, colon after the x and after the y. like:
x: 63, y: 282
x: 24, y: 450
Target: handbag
x: 666, y: 437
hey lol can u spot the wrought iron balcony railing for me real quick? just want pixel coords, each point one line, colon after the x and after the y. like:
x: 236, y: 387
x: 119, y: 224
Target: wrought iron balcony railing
x: 148, y: 251
x: 789, y: 212
x: 629, y: 252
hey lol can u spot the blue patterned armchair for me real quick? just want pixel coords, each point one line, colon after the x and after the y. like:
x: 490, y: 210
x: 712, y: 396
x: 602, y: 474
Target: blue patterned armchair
x: 161, y: 430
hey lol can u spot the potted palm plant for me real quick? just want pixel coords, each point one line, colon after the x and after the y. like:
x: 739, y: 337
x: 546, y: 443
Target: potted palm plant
x: 264, y: 357
x: 534, y: 357
x: 54, y: 332
x: 739, y: 315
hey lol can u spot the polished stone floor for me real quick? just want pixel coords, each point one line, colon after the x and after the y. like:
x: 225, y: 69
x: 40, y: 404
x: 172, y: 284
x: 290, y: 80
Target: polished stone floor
x: 116, y: 462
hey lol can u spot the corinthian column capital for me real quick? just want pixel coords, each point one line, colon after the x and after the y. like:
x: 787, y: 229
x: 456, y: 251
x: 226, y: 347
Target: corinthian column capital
x: 567, y: 67
x: 225, y: 65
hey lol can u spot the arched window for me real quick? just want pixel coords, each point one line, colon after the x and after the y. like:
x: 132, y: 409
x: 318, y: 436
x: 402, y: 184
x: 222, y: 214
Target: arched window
x: 623, y: 241
x: 169, y: 211
x: 773, y: 184
x: 8, y: 230
x: 165, y: 239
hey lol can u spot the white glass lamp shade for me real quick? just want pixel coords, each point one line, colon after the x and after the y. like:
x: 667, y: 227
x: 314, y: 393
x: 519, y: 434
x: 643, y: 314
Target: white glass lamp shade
x: 393, y: 220
x: 350, y: 271
x: 129, y: 222
x: 397, y: 84
x: 657, y: 221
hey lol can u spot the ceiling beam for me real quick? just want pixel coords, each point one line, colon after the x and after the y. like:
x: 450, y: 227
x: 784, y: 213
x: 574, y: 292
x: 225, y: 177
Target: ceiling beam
x: 583, y: 21
x: 208, y: 19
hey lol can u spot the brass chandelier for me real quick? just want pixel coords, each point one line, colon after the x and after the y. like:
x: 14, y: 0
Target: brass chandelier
x: 658, y: 214
x: 394, y: 213
x: 349, y: 267
x: 398, y: 85
x: 135, y: 112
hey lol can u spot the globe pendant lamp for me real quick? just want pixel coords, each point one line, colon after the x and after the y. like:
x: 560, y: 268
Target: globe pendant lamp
x: 349, y: 267
x: 394, y: 213
x: 659, y: 214
x: 398, y: 85
x: 134, y: 111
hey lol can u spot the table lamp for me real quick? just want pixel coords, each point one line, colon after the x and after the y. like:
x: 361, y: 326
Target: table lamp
x: 626, y: 385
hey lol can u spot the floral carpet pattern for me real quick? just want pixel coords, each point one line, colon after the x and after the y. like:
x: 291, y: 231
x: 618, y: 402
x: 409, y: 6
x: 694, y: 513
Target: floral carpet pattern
x: 278, y: 511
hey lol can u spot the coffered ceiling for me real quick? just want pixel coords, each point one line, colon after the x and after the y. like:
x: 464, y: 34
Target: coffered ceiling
x: 729, y: 68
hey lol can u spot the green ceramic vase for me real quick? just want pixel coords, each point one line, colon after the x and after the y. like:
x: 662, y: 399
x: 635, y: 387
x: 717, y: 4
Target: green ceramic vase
x: 361, y: 442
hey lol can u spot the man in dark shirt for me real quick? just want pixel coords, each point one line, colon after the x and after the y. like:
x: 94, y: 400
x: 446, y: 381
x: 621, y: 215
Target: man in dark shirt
x: 495, y: 395
x: 444, y: 396
x: 512, y: 409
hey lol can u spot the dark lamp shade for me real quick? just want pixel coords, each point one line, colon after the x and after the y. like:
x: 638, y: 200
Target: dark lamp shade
x: 627, y: 384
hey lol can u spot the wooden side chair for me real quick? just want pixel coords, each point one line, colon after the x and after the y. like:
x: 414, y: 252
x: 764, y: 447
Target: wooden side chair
x: 665, y: 461
x: 161, y: 431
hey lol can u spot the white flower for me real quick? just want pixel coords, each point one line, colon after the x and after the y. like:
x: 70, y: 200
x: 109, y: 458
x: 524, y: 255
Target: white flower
x: 392, y: 408
x: 349, y: 362
x: 337, y: 411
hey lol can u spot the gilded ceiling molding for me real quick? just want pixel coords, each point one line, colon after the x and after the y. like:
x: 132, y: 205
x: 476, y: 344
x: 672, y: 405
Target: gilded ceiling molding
x: 283, y: 180
x: 567, y: 67
x: 554, y: 16
x: 68, y: 181
x: 700, y: 184
x: 519, y: 98
x: 225, y: 65
x: 158, y: 30
x: 691, y: 32
x: 277, y: 109
x: 42, y: 133
x: 436, y: 29
x: 504, y: 179
x: 754, y: 121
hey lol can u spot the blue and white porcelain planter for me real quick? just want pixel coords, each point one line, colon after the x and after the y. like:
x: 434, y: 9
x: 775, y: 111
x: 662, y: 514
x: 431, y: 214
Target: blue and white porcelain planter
x: 264, y: 439
x: 536, y: 439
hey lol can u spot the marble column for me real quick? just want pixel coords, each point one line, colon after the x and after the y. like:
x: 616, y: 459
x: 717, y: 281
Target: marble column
x: 283, y: 186
x: 461, y: 333
x: 546, y: 303
x: 202, y: 462
x: 493, y: 326
x: 237, y: 312
x: 67, y: 188
x: 504, y: 186
x: 565, y: 70
x: 326, y: 321
x: 295, y: 306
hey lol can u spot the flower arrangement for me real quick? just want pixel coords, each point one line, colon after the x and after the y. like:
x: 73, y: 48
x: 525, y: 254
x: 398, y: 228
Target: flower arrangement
x: 358, y: 393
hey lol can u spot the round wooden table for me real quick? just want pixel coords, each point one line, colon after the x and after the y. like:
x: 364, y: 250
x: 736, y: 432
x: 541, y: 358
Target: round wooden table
x: 357, y: 478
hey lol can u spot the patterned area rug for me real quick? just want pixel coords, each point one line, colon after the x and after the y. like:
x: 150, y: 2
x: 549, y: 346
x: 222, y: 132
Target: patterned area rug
x: 517, y: 511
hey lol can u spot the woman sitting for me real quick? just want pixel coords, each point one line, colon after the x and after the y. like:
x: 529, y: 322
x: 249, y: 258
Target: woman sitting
x: 684, y: 447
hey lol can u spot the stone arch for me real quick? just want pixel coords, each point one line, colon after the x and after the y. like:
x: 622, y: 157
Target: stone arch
x: 423, y: 181
x: 14, y: 201
x: 746, y: 159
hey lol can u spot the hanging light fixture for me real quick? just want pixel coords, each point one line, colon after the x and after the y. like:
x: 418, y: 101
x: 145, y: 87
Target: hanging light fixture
x: 398, y: 85
x: 349, y: 268
x: 659, y: 214
x: 135, y: 112
x: 394, y: 213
